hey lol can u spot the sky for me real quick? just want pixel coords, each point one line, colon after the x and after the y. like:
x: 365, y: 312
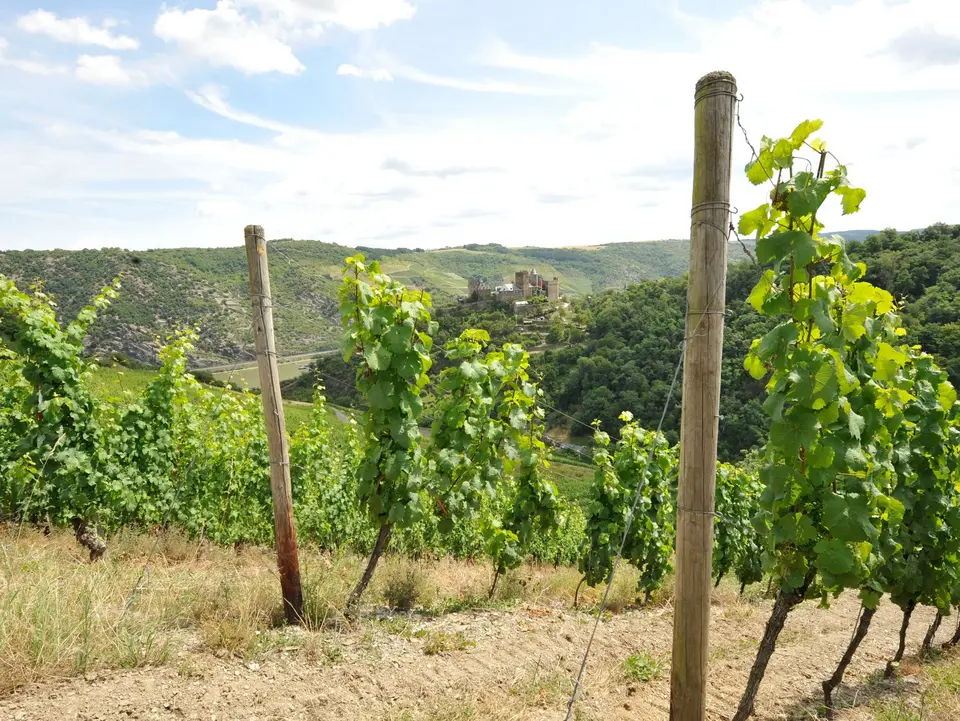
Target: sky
x: 434, y: 123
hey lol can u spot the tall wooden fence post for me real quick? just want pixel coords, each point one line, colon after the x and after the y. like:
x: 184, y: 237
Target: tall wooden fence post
x: 288, y: 562
x: 714, y: 112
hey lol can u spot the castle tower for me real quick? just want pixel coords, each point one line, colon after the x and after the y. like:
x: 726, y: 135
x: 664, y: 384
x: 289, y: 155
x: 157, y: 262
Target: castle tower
x: 522, y: 281
x: 553, y: 290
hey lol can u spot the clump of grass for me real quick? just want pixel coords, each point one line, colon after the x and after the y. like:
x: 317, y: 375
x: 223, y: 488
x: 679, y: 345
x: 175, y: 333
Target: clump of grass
x: 398, y: 627
x: 322, y: 650
x: 441, y: 642
x: 642, y: 667
x: 542, y: 687
x: 510, y: 587
x: 947, y: 677
x: 896, y: 710
x: 403, y: 587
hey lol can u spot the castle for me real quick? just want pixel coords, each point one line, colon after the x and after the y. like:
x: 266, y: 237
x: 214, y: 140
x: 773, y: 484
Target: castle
x: 527, y: 284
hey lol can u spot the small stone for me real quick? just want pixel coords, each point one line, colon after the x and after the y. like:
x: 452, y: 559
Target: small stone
x: 253, y: 666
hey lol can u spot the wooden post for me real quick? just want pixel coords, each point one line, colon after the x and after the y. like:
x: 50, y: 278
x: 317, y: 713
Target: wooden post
x: 286, y: 534
x: 714, y: 112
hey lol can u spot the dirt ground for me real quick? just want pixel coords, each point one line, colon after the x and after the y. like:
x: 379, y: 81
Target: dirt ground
x: 513, y: 665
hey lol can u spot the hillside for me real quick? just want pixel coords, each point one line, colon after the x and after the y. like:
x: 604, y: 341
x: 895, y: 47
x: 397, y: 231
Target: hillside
x: 632, y: 341
x: 165, y: 289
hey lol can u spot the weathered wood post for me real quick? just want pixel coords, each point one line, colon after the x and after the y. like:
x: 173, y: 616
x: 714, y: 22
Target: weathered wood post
x: 714, y: 112
x: 288, y: 562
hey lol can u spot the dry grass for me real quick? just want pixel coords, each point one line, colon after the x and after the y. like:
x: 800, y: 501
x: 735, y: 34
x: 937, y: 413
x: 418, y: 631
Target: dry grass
x: 61, y: 616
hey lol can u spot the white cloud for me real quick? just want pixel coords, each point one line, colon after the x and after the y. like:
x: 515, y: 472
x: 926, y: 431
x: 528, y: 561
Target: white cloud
x: 107, y: 70
x: 375, y: 74
x: 226, y: 37
x: 211, y: 98
x: 257, y: 36
x: 478, y: 85
x: 353, y: 15
x: 77, y: 31
x: 35, y: 67
x: 608, y: 158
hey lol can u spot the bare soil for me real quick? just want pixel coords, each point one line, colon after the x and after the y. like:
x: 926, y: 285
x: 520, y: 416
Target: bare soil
x: 517, y: 664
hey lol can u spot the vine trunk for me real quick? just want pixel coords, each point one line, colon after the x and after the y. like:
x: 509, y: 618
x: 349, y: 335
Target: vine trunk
x: 364, y: 581
x: 785, y: 603
x: 866, y: 616
x: 907, y: 613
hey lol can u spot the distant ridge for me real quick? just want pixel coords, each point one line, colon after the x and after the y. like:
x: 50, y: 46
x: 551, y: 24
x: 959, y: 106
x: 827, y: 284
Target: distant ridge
x: 172, y: 288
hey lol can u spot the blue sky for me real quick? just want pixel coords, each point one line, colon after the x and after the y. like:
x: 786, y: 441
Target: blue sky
x: 429, y: 123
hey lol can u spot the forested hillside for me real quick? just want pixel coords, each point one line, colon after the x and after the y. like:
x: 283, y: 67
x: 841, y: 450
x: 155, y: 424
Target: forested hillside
x: 167, y: 289
x: 628, y: 358
x: 922, y: 269
x: 633, y: 338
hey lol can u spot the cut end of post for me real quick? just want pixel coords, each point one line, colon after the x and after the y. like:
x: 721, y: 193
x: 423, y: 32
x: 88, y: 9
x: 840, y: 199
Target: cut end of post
x: 253, y: 230
x: 719, y: 82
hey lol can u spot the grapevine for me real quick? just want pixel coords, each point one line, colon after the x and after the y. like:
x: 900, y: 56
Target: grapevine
x: 642, y: 466
x: 736, y: 543
x: 835, y: 394
x: 390, y: 329
x: 63, y: 447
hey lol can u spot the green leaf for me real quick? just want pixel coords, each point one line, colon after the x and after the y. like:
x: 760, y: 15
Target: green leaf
x: 803, y: 131
x: 473, y: 370
x: 774, y: 405
x: 825, y: 384
x: 856, y: 423
x: 808, y: 194
x: 778, y: 246
x: 758, y: 221
x: 761, y: 291
x: 889, y: 362
x: 851, y: 198
x: 759, y: 170
x: 381, y: 395
x: 377, y: 357
x: 853, y: 324
x: 894, y: 508
x: 847, y: 517
x: 835, y: 557
x: 799, y: 429
x: 947, y: 395
x: 775, y: 342
x: 854, y: 457
x: 754, y: 366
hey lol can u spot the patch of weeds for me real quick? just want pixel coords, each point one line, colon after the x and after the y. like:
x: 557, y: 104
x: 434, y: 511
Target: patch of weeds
x: 511, y: 588
x: 464, y: 603
x: 895, y: 710
x: 582, y: 714
x: 319, y: 649
x: 946, y: 677
x: 440, y: 642
x: 623, y: 593
x: 232, y: 636
x: 738, y: 612
x: 142, y: 648
x: 188, y: 669
x: 397, y: 627
x: 642, y: 667
x: 403, y: 588
x: 542, y: 688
